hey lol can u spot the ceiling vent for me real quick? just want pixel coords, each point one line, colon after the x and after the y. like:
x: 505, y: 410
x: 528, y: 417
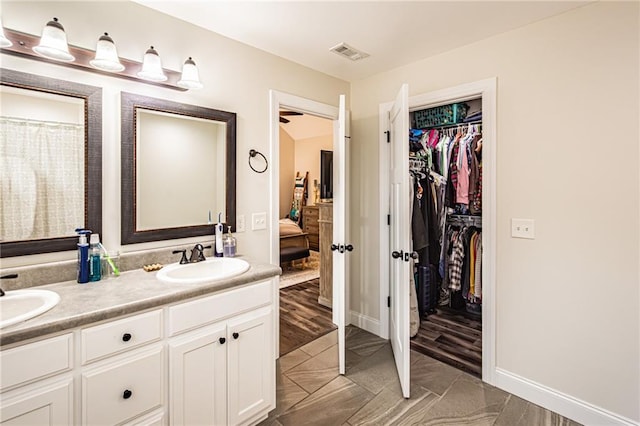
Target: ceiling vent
x: 343, y: 49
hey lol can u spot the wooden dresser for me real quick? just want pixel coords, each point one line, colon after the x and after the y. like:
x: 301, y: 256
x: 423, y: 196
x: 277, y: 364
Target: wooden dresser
x: 310, y: 215
x: 325, y: 296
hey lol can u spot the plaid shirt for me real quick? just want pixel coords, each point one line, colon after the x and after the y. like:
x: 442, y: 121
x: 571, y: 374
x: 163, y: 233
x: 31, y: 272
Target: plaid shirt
x: 455, y: 264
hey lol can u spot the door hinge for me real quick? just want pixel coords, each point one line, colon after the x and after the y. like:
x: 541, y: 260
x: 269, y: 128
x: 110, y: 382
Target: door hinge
x: 388, y: 133
x: 388, y: 301
x: 389, y: 219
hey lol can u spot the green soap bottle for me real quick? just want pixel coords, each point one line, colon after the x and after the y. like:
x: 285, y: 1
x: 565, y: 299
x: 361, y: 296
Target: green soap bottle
x: 95, y: 260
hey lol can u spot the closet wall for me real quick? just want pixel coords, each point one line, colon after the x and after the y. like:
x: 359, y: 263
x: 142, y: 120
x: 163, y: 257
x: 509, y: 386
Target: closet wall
x: 568, y: 301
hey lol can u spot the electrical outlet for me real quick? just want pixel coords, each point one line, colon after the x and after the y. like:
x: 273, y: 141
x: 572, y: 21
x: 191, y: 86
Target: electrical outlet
x: 240, y: 223
x: 258, y: 221
x: 523, y: 228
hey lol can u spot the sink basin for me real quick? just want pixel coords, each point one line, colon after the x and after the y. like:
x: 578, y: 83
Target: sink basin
x: 213, y: 269
x: 20, y: 305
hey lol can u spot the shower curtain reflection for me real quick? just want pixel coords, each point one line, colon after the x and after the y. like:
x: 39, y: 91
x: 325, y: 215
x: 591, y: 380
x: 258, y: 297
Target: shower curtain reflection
x: 41, y: 179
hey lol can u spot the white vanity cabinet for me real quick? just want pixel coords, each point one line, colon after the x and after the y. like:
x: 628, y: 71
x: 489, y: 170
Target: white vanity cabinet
x: 37, y: 384
x: 208, y: 360
x: 123, y: 373
x: 222, y: 370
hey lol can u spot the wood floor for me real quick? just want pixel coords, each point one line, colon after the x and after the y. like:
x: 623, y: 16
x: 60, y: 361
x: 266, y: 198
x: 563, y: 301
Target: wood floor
x: 453, y: 338
x: 302, y: 318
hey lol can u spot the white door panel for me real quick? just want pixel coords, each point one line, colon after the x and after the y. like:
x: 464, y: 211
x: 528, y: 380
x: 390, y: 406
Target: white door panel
x: 400, y: 236
x: 340, y: 234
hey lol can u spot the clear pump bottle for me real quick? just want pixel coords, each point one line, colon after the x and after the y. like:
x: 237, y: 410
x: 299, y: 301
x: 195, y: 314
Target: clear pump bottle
x: 229, y: 243
x: 95, y: 258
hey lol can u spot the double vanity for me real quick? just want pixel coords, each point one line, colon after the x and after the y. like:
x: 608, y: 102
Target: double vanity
x: 189, y: 344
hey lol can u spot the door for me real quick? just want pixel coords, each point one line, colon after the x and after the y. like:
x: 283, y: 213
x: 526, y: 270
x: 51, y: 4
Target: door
x: 340, y: 247
x: 251, y: 367
x: 41, y: 405
x: 399, y: 236
x: 198, y: 382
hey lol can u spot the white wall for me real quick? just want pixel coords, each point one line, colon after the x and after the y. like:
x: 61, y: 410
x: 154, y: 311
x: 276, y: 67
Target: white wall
x: 308, y: 158
x: 237, y: 78
x: 567, y: 157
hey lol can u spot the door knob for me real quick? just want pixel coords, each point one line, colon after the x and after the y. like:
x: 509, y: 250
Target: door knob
x: 235, y: 335
x: 396, y: 254
x: 222, y: 340
x: 127, y: 394
x: 349, y: 247
x: 126, y: 337
x: 414, y: 255
x: 334, y: 247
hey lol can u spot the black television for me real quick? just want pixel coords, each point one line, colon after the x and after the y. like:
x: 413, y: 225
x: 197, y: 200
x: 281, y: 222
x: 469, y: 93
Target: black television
x: 326, y: 175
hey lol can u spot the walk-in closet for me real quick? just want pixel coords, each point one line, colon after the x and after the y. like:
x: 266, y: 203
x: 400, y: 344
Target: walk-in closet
x: 445, y: 164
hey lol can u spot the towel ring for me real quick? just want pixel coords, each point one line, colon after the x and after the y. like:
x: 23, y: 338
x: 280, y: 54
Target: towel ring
x: 253, y: 153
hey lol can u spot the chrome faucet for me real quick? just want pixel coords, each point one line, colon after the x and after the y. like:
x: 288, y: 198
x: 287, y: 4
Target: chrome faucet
x: 197, y: 253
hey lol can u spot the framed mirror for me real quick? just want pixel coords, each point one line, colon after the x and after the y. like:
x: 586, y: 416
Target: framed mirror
x: 50, y: 163
x: 178, y: 169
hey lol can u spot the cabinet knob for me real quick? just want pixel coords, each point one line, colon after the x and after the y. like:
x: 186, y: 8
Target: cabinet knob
x: 127, y: 394
x: 126, y: 337
x: 222, y: 340
x: 235, y: 335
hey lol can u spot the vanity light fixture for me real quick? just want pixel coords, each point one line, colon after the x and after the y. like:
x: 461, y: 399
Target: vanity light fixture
x: 53, y: 46
x: 152, y: 67
x: 190, y: 78
x: 53, y: 43
x: 106, y: 55
x: 4, y: 41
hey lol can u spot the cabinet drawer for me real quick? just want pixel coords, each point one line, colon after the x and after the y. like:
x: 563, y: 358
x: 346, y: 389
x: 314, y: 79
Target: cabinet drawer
x: 44, y: 358
x: 189, y: 315
x: 123, y: 390
x: 312, y: 229
x: 121, y: 335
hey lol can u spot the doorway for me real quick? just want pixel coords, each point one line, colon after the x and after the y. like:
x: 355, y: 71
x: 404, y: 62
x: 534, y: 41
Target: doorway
x: 337, y: 115
x: 486, y: 90
x: 306, y: 142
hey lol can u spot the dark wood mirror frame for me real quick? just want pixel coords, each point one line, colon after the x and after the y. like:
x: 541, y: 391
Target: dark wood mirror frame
x: 129, y: 104
x: 92, y: 97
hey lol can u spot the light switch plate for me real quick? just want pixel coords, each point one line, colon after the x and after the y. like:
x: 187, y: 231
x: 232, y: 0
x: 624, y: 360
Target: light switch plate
x: 258, y: 221
x: 523, y: 228
x: 240, y: 223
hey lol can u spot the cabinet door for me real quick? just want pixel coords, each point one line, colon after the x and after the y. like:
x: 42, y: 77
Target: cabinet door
x: 251, y: 365
x: 45, y: 405
x: 198, y: 380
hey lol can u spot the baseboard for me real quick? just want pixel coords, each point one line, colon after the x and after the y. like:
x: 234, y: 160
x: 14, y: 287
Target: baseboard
x: 563, y: 404
x: 364, y: 322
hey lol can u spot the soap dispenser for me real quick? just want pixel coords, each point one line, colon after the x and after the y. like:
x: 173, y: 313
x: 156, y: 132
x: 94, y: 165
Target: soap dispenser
x: 229, y: 245
x: 83, y: 256
x: 95, y: 261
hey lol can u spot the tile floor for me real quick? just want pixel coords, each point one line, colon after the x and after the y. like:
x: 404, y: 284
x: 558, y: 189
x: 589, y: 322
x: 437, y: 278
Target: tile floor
x: 311, y: 392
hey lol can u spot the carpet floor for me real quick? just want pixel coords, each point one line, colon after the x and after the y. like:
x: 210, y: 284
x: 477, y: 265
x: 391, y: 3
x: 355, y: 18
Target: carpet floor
x: 302, y: 318
x: 298, y: 272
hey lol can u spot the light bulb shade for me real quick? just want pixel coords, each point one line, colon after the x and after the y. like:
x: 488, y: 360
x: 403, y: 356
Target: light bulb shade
x: 190, y: 78
x: 53, y: 43
x: 106, y: 55
x: 152, y: 67
x: 4, y: 41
